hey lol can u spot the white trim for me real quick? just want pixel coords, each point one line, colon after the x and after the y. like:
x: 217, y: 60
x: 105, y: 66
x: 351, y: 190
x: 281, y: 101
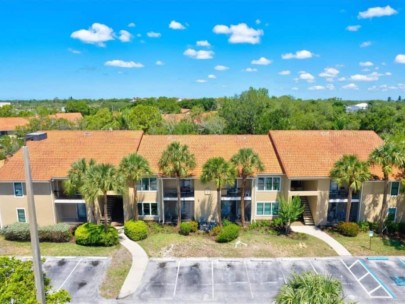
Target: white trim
x: 271, y: 208
x: 272, y: 183
x: 190, y: 198
x: 22, y: 189
x: 69, y: 201
x: 235, y: 198
x: 149, y: 215
x: 157, y: 185
x: 25, y: 215
x: 343, y: 200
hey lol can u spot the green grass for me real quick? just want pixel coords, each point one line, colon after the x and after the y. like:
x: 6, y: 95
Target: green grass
x: 258, y: 245
x: 14, y: 248
x: 360, y: 245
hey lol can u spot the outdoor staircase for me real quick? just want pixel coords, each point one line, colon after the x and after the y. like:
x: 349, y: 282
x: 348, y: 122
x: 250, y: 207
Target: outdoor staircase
x: 307, y: 215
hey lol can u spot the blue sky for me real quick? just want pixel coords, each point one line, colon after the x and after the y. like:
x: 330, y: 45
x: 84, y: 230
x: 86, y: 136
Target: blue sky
x: 103, y: 49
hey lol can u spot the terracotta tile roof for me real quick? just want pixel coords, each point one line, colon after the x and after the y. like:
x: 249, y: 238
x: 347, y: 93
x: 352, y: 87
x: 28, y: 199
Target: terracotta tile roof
x: 73, y: 117
x: 207, y: 146
x: 53, y: 157
x: 313, y: 153
x: 11, y: 123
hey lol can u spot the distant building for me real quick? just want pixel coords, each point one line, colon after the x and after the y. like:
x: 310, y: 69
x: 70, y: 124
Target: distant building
x: 357, y: 107
x: 5, y: 104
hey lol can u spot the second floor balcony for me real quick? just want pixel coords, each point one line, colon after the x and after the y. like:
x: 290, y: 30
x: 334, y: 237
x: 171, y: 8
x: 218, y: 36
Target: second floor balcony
x: 342, y: 194
x: 60, y: 194
x: 236, y: 192
x: 184, y: 191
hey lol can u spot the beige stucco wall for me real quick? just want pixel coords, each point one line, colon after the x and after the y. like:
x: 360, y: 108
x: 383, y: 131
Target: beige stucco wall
x: 43, y: 202
x: 321, y: 213
x: 205, y: 201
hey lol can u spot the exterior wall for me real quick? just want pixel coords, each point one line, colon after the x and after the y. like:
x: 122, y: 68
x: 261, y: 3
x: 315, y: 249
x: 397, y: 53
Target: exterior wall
x: 321, y: 213
x: 45, y: 208
x: 205, y: 198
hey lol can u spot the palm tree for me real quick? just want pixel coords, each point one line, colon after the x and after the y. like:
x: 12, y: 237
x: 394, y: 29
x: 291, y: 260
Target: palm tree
x: 387, y: 157
x: 75, y: 181
x: 222, y: 173
x: 177, y: 161
x: 247, y: 163
x: 133, y: 168
x: 100, y: 179
x: 350, y: 171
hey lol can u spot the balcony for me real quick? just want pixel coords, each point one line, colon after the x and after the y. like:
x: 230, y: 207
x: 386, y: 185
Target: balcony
x: 60, y: 194
x: 236, y: 192
x: 341, y: 194
x: 185, y: 192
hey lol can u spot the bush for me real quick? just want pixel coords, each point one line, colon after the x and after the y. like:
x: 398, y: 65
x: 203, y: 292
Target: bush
x: 277, y: 224
x: 53, y: 233
x: 226, y: 222
x: 348, y: 229
x: 17, y: 232
x: 194, y: 226
x: 373, y: 226
x: 228, y: 233
x: 401, y: 228
x: 215, y: 230
x: 364, y: 226
x: 259, y: 225
x: 392, y: 227
x: 136, y: 230
x: 90, y: 234
x: 185, y: 228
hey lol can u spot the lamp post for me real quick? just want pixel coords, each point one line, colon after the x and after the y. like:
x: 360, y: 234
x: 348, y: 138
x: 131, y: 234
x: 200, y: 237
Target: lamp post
x: 36, y: 254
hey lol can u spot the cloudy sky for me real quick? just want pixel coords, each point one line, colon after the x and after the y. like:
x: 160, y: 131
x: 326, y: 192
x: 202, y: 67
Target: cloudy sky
x: 309, y: 49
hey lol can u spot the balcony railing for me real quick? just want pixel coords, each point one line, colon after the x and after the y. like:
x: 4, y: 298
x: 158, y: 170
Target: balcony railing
x: 342, y: 194
x: 59, y: 194
x: 237, y: 192
x: 185, y: 192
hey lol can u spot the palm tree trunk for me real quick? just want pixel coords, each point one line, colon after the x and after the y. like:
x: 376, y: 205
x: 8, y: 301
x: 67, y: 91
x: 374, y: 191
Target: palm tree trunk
x: 105, y: 213
x: 178, y: 202
x: 135, y: 202
x: 384, y: 205
x: 90, y: 213
x: 219, y: 206
x: 349, y: 205
x: 242, y: 201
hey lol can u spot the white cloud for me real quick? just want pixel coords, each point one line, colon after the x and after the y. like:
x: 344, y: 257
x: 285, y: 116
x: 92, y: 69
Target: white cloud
x: 377, y: 12
x: 221, y: 68
x: 123, y: 64
x: 138, y: 35
x: 365, y: 44
x: 201, y: 80
x: 388, y: 74
x: 329, y: 73
x: 361, y: 77
x: 201, y: 54
x: 350, y: 86
x: 125, y: 36
x: 203, y: 43
x: 159, y: 62
x: 284, y: 73
x: 330, y: 86
x: 306, y: 76
x: 294, y: 88
x: 366, y: 63
x: 342, y: 79
x: 212, y: 76
x: 261, y: 61
x: 400, y: 58
x: 153, y: 34
x: 353, y: 28
x: 303, y: 54
x: 174, y: 25
x: 258, y: 21
x: 250, y: 70
x: 240, y: 33
x: 131, y: 24
x: 384, y: 88
x: 73, y: 51
x: 97, y: 34
x: 317, y: 88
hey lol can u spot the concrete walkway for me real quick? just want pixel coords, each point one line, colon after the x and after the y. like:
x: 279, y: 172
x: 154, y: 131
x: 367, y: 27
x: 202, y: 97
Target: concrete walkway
x: 139, y: 262
x: 316, y: 232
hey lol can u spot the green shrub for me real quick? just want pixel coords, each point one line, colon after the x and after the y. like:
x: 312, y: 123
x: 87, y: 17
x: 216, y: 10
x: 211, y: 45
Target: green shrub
x: 373, y: 226
x: 364, y: 226
x: 228, y: 233
x: 215, y: 230
x: 194, y: 226
x: 401, y: 228
x: 17, y: 232
x: 154, y: 227
x: 392, y: 227
x: 90, y: 234
x: 348, y: 229
x: 58, y: 233
x: 185, y: 228
x: 260, y: 225
x: 136, y: 230
x: 277, y: 223
x: 226, y: 222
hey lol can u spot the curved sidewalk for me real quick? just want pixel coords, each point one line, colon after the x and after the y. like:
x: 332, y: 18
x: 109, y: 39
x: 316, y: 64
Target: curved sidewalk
x: 139, y: 262
x: 316, y: 232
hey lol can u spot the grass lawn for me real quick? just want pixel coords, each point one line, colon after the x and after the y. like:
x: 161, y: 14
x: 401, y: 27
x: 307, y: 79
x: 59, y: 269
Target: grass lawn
x: 359, y: 245
x: 116, y: 273
x: 54, y: 249
x: 259, y: 244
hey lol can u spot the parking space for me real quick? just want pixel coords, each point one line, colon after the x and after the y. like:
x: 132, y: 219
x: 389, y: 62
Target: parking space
x: 259, y: 280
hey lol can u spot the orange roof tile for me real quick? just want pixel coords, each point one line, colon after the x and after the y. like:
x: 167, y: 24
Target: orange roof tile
x: 73, y: 117
x: 11, y: 123
x: 53, y: 157
x: 207, y: 146
x: 313, y: 153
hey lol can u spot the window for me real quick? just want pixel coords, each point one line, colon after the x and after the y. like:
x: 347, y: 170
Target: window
x: 147, y: 184
x: 268, y: 183
x: 18, y: 189
x: 391, y: 214
x: 21, y: 216
x: 267, y: 208
x: 147, y: 209
x: 394, y: 188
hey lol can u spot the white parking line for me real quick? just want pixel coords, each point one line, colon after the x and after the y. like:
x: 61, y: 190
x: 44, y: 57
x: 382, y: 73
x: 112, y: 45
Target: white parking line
x: 282, y: 273
x: 313, y: 267
x: 247, y: 274
x: 67, y: 278
x: 212, y: 275
x: 177, y: 277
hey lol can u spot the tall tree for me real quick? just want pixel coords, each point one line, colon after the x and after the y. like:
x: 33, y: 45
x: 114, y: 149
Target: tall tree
x: 247, y: 164
x: 74, y: 184
x: 350, y: 171
x: 289, y: 211
x: 222, y: 173
x: 177, y: 161
x: 133, y: 168
x: 387, y: 157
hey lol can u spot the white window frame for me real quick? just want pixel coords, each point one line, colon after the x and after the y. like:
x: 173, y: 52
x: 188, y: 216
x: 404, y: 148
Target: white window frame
x: 150, y: 206
x: 271, y: 208
x: 22, y: 189
x: 272, y: 183
x: 25, y: 215
x: 399, y: 188
x: 395, y: 215
x: 157, y: 185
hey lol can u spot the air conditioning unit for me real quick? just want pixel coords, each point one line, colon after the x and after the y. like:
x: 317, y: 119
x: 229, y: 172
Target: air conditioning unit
x: 35, y: 136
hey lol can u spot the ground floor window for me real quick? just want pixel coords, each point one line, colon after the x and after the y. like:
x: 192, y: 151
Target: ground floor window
x: 170, y: 210
x: 231, y: 210
x: 267, y: 208
x: 147, y: 209
x: 337, y: 212
x: 21, y: 215
x: 391, y: 214
x: 71, y: 212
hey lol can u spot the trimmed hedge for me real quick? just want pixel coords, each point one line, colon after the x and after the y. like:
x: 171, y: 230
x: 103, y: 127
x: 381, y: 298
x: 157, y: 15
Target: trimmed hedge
x: 185, y: 228
x: 90, y: 234
x: 348, y: 229
x: 58, y: 233
x: 136, y: 230
x: 228, y: 233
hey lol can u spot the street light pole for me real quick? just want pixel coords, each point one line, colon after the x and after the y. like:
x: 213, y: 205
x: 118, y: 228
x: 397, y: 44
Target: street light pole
x: 36, y: 254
